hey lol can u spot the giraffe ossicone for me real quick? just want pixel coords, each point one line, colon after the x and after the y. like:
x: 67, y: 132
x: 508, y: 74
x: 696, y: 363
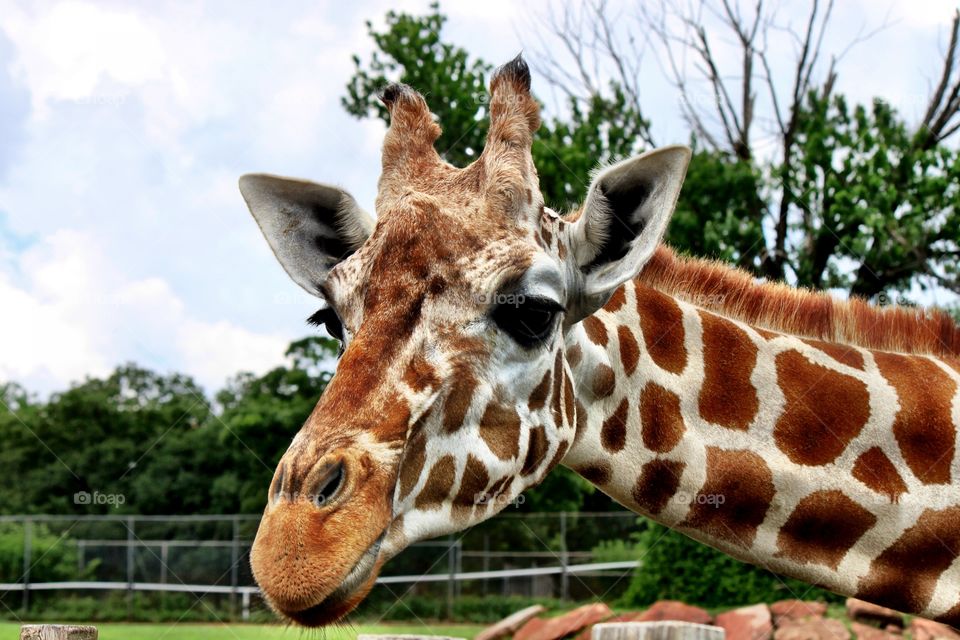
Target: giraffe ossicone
x: 488, y: 339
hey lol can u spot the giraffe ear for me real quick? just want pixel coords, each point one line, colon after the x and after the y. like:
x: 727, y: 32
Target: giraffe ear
x: 310, y: 227
x: 624, y: 217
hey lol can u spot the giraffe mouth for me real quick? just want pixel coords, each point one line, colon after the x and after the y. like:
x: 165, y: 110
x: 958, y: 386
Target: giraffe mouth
x: 343, y: 599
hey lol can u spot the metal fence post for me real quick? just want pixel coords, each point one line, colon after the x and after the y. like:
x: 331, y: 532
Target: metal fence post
x: 27, y: 561
x: 164, y: 559
x: 234, y: 561
x: 486, y: 559
x: 458, y: 548
x: 452, y: 567
x: 130, y: 567
x: 564, y: 559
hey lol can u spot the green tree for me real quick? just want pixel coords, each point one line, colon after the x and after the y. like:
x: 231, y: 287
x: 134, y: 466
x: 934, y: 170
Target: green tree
x: 872, y: 194
x: 95, y: 437
x: 410, y: 51
x: 827, y: 194
x: 715, y: 215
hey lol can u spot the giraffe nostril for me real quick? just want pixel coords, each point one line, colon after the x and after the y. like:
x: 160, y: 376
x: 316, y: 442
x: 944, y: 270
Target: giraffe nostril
x: 328, y: 484
x: 276, y: 487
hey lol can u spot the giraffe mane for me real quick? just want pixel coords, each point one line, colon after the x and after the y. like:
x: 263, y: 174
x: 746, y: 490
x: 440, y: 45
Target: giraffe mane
x: 778, y: 307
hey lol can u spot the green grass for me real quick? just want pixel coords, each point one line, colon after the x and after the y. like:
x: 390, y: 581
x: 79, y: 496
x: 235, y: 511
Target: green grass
x: 184, y: 631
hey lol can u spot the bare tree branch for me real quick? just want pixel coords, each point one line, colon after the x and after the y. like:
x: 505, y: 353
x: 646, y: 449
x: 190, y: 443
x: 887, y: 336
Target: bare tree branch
x: 945, y: 102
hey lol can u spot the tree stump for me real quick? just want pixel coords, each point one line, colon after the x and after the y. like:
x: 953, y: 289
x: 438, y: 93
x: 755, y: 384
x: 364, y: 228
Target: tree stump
x: 656, y: 631
x: 57, y: 632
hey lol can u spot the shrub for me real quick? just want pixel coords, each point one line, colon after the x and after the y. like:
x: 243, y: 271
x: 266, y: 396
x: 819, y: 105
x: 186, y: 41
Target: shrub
x: 53, y: 557
x: 675, y: 567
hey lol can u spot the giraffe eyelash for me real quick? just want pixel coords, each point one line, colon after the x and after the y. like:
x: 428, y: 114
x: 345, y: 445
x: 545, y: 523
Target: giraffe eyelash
x: 329, y: 320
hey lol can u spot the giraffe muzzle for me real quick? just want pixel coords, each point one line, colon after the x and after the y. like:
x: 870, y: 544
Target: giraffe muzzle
x: 317, y: 551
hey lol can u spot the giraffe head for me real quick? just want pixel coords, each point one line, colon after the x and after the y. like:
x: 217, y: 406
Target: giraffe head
x: 452, y: 394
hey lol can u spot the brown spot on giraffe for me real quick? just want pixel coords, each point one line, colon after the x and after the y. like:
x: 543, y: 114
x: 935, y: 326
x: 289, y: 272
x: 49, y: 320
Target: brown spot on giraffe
x: 547, y: 235
x: 596, y: 330
x: 438, y: 484
x: 420, y: 374
x: 499, y: 488
x: 629, y: 349
x: 596, y: 472
x: 904, y: 576
x: 727, y: 396
x: 661, y: 322
x: 500, y: 429
x: 557, y: 457
x: 745, y: 482
x: 581, y: 422
x: 604, y: 381
x: 458, y: 402
x: 574, y: 354
x: 923, y: 426
x: 568, y: 399
x: 613, y: 433
x: 538, y: 397
x: 658, y: 482
x: 660, y: 419
x: 472, y: 485
x: 823, y: 528
x: 840, y: 352
x: 536, y: 449
x: 556, y: 400
x: 824, y: 411
x: 874, y: 469
x: 617, y: 300
x: 415, y: 453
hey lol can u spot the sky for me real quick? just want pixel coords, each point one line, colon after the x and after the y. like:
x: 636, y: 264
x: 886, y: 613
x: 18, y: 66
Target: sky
x: 125, y: 125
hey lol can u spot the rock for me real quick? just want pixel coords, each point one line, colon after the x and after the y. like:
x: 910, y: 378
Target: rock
x: 866, y: 632
x: 796, y: 610
x: 811, y: 628
x: 747, y: 623
x: 564, y: 625
x: 923, y: 629
x: 511, y: 623
x: 863, y: 611
x: 674, y: 610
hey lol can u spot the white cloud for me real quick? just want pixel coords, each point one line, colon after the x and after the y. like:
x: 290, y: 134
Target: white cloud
x: 74, y: 314
x: 65, y: 53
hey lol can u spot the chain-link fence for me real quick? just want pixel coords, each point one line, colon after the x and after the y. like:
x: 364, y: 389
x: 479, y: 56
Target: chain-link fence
x: 569, y: 556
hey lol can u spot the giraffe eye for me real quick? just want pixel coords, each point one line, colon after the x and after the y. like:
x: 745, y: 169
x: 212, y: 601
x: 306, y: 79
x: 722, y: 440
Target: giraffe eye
x: 329, y: 320
x: 529, y: 321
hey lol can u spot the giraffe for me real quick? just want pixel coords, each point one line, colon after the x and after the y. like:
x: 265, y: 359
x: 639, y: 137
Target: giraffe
x: 487, y: 339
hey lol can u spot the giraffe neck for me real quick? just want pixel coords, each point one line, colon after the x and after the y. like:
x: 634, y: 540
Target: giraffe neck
x: 829, y: 463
